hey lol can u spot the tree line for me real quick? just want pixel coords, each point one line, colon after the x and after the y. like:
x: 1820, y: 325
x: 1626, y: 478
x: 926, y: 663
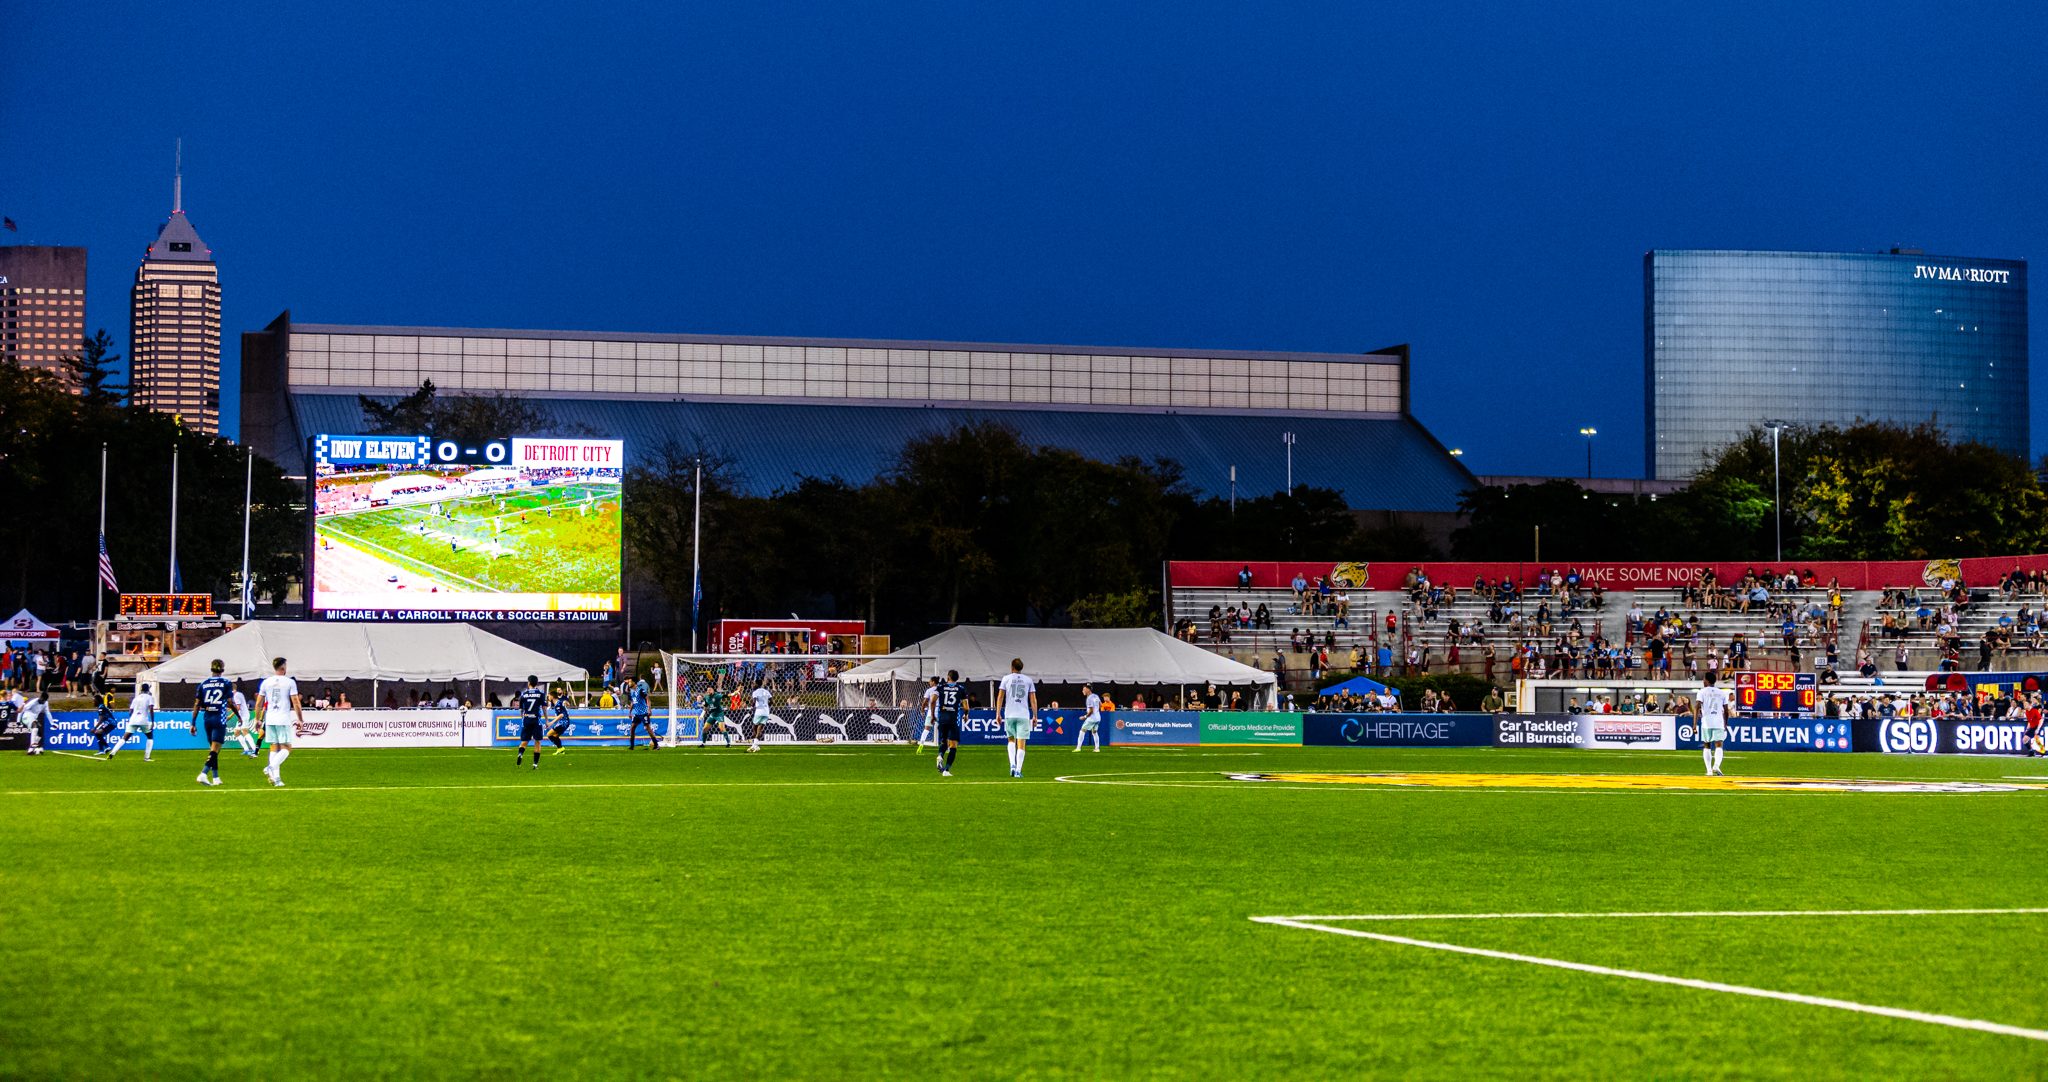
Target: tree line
x: 1867, y: 491
x: 55, y: 423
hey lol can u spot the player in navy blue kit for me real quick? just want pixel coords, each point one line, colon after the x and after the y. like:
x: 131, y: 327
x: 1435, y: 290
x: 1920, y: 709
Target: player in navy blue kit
x: 560, y: 706
x: 947, y: 706
x: 531, y: 700
x: 216, y: 701
x: 642, y: 715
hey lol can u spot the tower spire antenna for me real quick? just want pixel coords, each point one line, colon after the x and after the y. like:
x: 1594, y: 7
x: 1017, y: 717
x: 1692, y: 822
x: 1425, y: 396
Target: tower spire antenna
x: 178, y: 179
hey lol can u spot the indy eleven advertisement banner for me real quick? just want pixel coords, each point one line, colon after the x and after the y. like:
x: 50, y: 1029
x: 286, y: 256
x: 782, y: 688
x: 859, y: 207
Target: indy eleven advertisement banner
x: 1854, y: 575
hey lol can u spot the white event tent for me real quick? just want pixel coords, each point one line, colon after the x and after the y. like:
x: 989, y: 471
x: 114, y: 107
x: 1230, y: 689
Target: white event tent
x: 316, y: 650
x: 1059, y: 656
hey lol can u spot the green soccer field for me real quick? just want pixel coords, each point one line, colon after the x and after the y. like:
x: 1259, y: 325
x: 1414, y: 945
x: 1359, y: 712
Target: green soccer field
x: 824, y: 913
x: 561, y: 539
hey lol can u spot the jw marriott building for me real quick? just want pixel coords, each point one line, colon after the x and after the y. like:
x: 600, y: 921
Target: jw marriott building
x: 175, y: 321
x: 1733, y: 340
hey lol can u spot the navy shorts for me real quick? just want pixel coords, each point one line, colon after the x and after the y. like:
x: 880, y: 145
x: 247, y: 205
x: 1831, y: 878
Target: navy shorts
x: 216, y: 730
x: 949, y: 731
x: 529, y: 732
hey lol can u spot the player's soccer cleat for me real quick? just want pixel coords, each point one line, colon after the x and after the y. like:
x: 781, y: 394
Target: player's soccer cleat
x: 202, y: 777
x: 945, y: 773
x: 559, y: 751
x: 1016, y: 773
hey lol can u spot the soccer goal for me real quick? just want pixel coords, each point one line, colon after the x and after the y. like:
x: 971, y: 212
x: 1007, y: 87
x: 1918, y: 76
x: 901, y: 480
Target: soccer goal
x: 812, y: 698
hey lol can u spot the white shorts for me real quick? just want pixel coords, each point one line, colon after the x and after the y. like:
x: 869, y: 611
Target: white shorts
x: 279, y: 734
x: 1089, y: 725
x: 1712, y: 734
x: 139, y: 725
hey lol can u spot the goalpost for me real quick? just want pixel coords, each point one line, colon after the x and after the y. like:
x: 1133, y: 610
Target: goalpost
x: 813, y: 698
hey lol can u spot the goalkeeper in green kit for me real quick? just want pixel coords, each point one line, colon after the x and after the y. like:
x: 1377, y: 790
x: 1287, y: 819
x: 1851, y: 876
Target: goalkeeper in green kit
x: 714, y: 718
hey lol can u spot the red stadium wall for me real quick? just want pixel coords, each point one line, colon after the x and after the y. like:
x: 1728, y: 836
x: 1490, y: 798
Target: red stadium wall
x: 1857, y: 575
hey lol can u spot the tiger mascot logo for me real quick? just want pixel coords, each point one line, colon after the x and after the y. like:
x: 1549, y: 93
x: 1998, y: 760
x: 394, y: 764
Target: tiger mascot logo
x: 1350, y: 575
x: 1937, y: 570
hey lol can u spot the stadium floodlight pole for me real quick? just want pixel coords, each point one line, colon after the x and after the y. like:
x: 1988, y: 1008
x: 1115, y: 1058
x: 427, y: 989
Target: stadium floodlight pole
x: 1589, y: 432
x: 1288, y: 439
x: 696, y: 533
x: 172, y: 575
x: 99, y: 589
x: 1777, y: 504
x: 248, y: 511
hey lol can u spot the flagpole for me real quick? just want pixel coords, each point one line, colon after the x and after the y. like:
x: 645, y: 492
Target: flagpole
x: 171, y: 584
x: 696, y: 528
x: 248, y: 510
x: 99, y: 590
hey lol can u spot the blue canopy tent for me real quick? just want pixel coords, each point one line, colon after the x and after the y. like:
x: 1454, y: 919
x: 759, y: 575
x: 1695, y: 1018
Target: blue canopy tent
x: 1358, y: 685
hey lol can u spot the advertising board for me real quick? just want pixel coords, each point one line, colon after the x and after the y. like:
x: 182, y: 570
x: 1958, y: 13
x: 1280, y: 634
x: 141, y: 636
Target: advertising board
x: 1775, y: 734
x: 1252, y: 728
x: 1637, y: 732
x: 1940, y: 736
x: 1398, y: 730
x: 1167, y: 728
x: 411, y: 527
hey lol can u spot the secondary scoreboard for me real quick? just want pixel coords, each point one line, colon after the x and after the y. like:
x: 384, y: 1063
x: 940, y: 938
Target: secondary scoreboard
x: 1776, y: 692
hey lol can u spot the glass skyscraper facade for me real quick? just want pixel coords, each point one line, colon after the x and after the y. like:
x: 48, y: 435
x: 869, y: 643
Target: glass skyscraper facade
x: 1734, y: 339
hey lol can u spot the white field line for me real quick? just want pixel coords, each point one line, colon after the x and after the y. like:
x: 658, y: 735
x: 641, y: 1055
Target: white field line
x: 80, y: 755
x: 1672, y: 913
x: 1949, y: 1020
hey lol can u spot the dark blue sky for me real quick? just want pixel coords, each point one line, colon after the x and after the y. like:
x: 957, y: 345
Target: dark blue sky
x: 1323, y: 177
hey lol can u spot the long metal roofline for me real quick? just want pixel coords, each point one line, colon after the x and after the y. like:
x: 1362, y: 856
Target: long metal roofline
x: 1390, y: 353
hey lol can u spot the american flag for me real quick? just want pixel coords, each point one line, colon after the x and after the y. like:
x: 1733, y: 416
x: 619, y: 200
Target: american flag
x: 107, y: 567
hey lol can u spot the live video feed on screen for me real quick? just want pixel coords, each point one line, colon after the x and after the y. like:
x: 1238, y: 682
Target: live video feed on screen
x: 415, y: 526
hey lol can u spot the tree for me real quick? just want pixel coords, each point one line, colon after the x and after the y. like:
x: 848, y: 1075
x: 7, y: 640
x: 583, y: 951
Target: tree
x: 458, y: 417
x: 91, y: 371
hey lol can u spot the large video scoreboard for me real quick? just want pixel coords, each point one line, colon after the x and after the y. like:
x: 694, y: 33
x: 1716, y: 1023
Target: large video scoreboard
x: 426, y: 528
x: 1776, y: 693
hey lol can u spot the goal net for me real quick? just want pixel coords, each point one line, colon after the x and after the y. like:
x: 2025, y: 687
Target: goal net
x: 812, y: 698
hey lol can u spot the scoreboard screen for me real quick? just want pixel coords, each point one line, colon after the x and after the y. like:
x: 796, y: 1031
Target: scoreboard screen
x: 421, y: 527
x: 1776, y: 693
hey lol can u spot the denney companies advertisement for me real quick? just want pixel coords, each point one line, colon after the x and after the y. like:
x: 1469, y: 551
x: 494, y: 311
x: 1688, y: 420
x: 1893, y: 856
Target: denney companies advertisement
x: 419, y: 528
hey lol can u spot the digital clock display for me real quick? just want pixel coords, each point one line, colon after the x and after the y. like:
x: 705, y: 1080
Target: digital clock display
x: 1776, y: 693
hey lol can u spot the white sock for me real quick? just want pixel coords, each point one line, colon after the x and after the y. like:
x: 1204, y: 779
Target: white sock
x: 1707, y: 755
x: 285, y: 752
x: 1095, y: 737
x: 1717, y: 760
x: 271, y: 768
x: 148, y: 745
x: 1011, y: 748
x: 1079, y: 739
x: 1020, y: 758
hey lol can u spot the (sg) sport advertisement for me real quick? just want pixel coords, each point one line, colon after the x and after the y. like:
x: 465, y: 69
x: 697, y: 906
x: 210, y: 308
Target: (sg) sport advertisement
x: 415, y: 527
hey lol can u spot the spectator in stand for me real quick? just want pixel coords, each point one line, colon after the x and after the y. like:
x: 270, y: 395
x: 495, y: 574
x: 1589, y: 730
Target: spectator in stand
x: 1342, y: 601
x: 1244, y: 577
x: 1263, y: 618
x: 1300, y: 588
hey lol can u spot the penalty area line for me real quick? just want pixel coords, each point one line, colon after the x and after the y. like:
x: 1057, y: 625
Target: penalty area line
x: 1949, y: 1020
x: 506, y: 787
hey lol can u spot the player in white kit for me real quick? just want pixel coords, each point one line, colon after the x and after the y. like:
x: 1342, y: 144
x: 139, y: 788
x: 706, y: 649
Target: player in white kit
x: 760, y: 698
x: 141, y: 719
x: 1711, y: 708
x: 1017, y: 704
x: 1091, y: 722
x: 278, y: 694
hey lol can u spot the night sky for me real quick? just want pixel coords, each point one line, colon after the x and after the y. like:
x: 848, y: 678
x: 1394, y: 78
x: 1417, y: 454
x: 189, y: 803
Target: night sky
x: 1331, y: 177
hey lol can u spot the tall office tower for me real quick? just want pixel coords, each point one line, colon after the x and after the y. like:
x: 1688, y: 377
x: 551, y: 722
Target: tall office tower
x: 42, y: 304
x: 175, y: 319
x: 1734, y: 340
